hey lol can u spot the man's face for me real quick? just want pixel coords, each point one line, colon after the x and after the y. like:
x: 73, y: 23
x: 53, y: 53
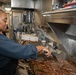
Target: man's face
x: 3, y: 22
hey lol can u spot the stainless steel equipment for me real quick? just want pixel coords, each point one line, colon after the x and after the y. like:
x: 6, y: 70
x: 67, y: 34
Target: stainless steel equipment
x: 68, y: 40
x: 28, y: 18
x: 28, y: 4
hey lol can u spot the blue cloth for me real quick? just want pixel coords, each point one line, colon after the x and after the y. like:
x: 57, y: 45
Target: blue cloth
x: 11, y: 50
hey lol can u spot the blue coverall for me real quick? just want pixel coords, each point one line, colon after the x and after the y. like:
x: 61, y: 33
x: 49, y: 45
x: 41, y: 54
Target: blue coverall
x: 10, y: 51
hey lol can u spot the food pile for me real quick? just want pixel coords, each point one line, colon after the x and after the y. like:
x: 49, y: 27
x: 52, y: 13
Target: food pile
x: 52, y: 67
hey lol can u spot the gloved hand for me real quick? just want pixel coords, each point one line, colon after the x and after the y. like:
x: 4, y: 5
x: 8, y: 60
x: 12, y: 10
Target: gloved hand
x: 44, y: 50
x: 47, y: 52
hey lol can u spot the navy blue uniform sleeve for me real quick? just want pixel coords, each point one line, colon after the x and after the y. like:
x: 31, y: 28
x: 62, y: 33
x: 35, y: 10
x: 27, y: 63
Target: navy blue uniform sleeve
x: 12, y: 49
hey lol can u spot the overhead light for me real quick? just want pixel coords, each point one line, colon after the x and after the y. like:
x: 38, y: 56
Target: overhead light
x: 46, y: 15
x: 7, y: 7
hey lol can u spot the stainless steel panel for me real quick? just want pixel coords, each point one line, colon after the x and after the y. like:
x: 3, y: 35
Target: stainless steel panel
x: 22, y: 4
x: 71, y: 30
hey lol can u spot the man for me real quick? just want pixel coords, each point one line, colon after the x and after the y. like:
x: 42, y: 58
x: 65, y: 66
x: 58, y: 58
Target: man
x: 11, y: 51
